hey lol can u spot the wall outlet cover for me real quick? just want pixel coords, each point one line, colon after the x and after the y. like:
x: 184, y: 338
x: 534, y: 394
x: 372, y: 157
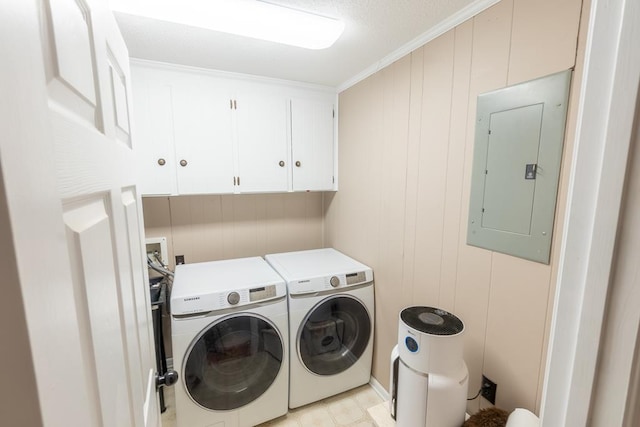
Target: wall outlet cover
x: 489, y: 389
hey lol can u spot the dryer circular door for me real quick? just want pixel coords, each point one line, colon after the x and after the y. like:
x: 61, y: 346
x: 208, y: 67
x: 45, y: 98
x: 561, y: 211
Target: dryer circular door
x: 334, y: 335
x: 233, y: 361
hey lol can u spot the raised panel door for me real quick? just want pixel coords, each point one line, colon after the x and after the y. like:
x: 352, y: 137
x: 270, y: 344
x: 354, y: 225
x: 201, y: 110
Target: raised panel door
x: 71, y: 71
x: 97, y: 189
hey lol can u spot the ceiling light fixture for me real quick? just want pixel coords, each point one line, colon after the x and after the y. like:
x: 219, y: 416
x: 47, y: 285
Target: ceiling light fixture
x: 249, y: 18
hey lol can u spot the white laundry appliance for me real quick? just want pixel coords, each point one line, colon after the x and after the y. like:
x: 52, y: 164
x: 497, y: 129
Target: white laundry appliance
x: 429, y: 378
x: 331, y: 320
x: 230, y: 344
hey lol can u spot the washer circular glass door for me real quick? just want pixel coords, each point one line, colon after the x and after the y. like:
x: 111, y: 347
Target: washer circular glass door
x: 334, y: 335
x: 233, y: 362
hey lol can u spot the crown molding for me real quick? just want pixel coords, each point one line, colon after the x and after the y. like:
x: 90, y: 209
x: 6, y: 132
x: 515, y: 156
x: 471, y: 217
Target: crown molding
x: 451, y: 22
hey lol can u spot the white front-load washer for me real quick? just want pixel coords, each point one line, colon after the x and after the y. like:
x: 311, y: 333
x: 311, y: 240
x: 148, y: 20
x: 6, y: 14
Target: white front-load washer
x: 230, y: 345
x: 331, y: 319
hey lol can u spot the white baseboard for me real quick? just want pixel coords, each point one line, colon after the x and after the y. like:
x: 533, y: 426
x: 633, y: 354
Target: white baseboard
x: 379, y: 389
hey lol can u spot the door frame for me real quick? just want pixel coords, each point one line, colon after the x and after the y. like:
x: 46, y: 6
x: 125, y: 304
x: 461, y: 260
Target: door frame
x: 606, y: 115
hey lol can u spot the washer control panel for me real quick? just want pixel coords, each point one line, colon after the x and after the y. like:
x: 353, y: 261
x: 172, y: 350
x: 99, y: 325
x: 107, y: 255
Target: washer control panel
x: 263, y: 292
x: 224, y: 299
x: 233, y: 298
x: 354, y: 278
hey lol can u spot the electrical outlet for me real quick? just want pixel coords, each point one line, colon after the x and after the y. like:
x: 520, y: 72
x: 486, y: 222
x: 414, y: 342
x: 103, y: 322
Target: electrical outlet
x: 179, y: 259
x: 489, y: 389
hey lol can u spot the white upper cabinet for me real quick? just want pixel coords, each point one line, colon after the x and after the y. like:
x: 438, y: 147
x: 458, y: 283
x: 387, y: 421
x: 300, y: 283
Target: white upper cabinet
x: 261, y: 114
x: 153, y: 120
x: 203, y: 137
x: 202, y: 132
x: 312, y: 155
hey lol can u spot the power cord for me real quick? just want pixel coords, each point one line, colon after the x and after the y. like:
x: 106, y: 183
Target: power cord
x: 477, y: 395
x: 483, y: 387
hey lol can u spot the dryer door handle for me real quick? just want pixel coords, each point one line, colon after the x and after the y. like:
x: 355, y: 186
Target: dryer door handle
x: 168, y: 379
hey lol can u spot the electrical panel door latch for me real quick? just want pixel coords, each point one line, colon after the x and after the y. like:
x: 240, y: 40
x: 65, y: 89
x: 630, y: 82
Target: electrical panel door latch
x: 530, y: 171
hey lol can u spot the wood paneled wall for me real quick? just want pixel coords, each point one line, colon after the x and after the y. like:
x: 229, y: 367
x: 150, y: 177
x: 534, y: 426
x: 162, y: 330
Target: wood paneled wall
x: 405, y: 155
x: 209, y: 228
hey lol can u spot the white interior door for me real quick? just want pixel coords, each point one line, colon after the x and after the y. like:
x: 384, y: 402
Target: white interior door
x: 69, y: 187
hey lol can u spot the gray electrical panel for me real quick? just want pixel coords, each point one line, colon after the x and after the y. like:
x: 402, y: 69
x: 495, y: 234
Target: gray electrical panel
x: 516, y: 166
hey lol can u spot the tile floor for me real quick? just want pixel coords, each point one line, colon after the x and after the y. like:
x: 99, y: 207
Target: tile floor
x: 353, y: 408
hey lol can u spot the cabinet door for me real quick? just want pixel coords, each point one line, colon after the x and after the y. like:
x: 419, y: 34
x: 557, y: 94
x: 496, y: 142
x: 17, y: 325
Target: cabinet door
x: 153, y: 133
x: 203, y: 135
x: 262, y: 141
x: 312, y: 145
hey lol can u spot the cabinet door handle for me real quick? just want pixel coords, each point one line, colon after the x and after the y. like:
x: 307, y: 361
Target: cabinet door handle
x: 183, y: 163
x: 281, y: 163
x: 162, y: 161
x: 298, y: 164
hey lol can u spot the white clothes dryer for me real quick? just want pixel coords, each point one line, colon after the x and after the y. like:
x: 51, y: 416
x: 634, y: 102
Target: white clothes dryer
x: 331, y: 320
x: 230, y: 345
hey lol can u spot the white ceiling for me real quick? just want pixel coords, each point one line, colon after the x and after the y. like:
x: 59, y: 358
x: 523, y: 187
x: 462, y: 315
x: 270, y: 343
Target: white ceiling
x: 374, y: 31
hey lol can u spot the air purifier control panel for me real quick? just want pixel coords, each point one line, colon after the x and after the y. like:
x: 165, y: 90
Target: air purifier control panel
x: 412, y: 344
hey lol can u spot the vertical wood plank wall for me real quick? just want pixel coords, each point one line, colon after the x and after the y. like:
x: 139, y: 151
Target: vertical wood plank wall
x: 405, y: 154
x: 209, y: 228
x: 213, y: 227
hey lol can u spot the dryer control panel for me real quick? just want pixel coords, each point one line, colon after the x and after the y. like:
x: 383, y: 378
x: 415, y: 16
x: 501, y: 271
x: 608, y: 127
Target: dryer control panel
x: 334, y: 282
x: 319, y: 270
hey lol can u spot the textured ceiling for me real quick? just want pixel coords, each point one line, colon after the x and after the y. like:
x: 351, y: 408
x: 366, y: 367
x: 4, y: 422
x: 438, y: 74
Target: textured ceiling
x: 373, y: 30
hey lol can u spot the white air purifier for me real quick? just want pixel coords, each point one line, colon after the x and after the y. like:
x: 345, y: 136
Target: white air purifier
x: 429, y: 379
